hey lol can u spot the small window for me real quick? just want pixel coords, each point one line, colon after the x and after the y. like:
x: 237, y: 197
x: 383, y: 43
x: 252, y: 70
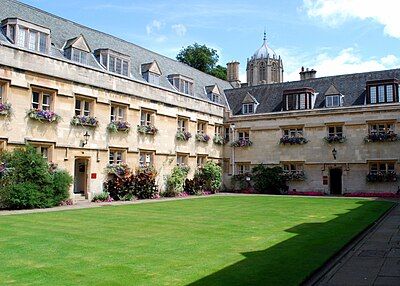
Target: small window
x: 83, y: 106
x: 381, y: 128
x: 293, y: 167
x: 146, y: 158
x: 78, y: 56
x: 118, y: 113
x: 2, y: 93
x: 116, y: 156
x: 152, y: 78
x: 201, y: 160
x: 382, y: 93
x: 42, y: 100
x: 147, y: 118
x: 182, y: 124
x: 213, y: 97
x: 336, y: 131
x: 201, y: 127
x: 226, y: 134
x: 248, y: 108
x: 333, y: 101
x: 293, y: 132
x: 182, y: 85
x: 44, y: 150
x: 243, y: 135
x: 181, y: 159
x: 218, y: 130
x: 382, y: 167
x: 243, y: 169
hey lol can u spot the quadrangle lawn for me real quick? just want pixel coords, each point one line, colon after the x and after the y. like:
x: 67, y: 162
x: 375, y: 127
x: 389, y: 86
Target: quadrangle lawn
x: 222, y: 240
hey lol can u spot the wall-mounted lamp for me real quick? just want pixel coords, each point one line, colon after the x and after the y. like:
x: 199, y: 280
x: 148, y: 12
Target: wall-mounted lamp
x: 85, y: 141
x: 334, y: 153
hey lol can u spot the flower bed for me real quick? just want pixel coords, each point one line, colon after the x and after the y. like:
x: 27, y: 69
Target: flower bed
x: 183, y: 135
x: 84, y: 121
x: 202, y: 137
x: 43, y: 115
x: 5, y: 109
x: 294, y: 175
x: 219, y: 140
x: 381, y: 137
x: 147, y: 129
x: 382, y: 177
x: 120, y: 169
x: 309, y: 193
x: 115, y: 126
x: 241, y: 143
x: 293, y: 140
x: 335, y: 139
x: 371, y: 195
x: 103, y: 197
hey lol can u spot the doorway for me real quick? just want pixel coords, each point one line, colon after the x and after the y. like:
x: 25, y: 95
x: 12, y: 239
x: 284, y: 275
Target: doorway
x: 335, y: 180
x: 81, y: 176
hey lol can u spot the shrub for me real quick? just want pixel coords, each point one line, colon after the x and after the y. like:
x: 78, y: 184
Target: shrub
x: 194, y: 186
x: 269, y: 180
x: 102, y: 197
x: 175, y: 181
x: 62, y: 180
x: 119, y: 188
x: 211, y: 173
x: 144, y: 184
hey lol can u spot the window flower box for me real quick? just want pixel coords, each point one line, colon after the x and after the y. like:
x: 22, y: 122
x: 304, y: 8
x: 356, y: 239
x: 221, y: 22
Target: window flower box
x: 147, y: 129
x: 381, y: 137
x: 335, y: 139
x: 377, y: 177
x: 219, y: 140
x: 5, y: 109
x: 43, y: 115
x: 84, y: 121
x: 119, y: 169
x: 294, y: 175
x: 183, y: 135
x: 202, y: 137
x: 116, y: 126
x: 241, y: 143
x: 293, y: 140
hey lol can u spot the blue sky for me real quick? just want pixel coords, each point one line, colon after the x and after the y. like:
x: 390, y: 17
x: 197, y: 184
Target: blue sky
x: 331, y: 36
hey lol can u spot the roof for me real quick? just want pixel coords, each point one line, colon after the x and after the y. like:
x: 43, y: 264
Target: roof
x: 63, y: 30
x: 269, y: 96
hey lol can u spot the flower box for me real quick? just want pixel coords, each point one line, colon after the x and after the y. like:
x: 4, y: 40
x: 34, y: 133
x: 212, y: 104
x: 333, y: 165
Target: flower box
x: 378, y: 177
x: 147, y: 129
x: 202, y: 137
x: 381, y: 137
x: 241, y: 143
x: 84, y: 121
x: 5, y: 109
x: 183, y: 135
x: 293, y: 140
x: 335, y: 139
x: 115, y: 126
x: 219, y: 140
x: 120, y: 169
x: 43, y: 115
x: 294, y: 175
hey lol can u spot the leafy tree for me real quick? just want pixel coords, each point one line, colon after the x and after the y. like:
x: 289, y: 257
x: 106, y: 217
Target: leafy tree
x: 202, y: 58
x: 269, y: 180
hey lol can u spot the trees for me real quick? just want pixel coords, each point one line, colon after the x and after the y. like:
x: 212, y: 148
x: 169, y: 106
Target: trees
x: 202, y: 58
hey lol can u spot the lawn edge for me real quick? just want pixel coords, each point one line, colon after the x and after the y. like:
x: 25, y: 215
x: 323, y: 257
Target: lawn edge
x: 317, y: 275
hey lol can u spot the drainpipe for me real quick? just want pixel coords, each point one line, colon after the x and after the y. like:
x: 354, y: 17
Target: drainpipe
x: 232, y: 127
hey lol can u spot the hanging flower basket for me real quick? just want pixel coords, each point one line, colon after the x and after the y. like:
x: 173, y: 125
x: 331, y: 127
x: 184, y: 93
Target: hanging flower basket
x: 293, y: 140
x: 202, y: 137
x: 294, y: 175
x: 84, y: 121
x: 381, y: 137
x: 116, y: 126
x: 120, y: 169
x: 5, y: 109
x: 183, y: 135
x: 377, y: 177
x: 335, y: 139
x: 219, y: 140
x: 241, y: 143
x: 147, y: 129
x: 43, y: 115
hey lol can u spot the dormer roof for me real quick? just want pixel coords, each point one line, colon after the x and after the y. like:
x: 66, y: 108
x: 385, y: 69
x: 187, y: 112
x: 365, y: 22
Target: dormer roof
x: 212, y: 89
x: 78, y: 42
x: 151, y: 67
x: 249, y: 99
x: 332, y: 90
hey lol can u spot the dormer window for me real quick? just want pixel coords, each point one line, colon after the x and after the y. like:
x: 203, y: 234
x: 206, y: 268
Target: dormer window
x: 181, y: 83
x: 383, y: 91
x: 333, y: 100
x: 298, y: 99
x: 249, y: 104
x: 213, y: 93
x: 77, y: 50
x: 113, y: 61
x: 151, y: 72
x: 247, y: 108
x: 27, y: 35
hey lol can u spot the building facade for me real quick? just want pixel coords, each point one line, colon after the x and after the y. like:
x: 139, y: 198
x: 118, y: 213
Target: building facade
x: 86, y: 99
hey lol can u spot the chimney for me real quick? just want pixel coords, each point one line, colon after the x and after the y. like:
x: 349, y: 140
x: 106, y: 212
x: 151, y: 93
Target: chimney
x: 232, y: 73
x: 307, y: 74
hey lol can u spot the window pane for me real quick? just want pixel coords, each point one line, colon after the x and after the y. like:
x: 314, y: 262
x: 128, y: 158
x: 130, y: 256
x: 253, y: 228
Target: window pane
x: 389, y: 93
x: 32, y: 40
x: 22, y: 36
x: 111, y: 67
x: 302, y: 101
x: 77, y: 107
x: 1, y: 94
x: 373, y: 94
x: 125, y: 68
x: 381, y: 93
x: 118, y: 68
x: 43, y: 43
x: 46, y: 102
x: 86, y: 110
x: 111, y: 158
x: 35, y: 100
x: 390, y: 167
x: 104, y: 60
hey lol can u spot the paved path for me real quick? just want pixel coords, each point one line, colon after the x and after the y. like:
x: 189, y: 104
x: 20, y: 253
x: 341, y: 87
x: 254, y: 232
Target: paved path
x: 375, y: 260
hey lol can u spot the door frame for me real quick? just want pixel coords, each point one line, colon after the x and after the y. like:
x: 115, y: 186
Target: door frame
x: 341, y: 180
x: 87, y: 181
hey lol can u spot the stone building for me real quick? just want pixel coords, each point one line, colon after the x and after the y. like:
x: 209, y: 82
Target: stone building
x: 92, y: 84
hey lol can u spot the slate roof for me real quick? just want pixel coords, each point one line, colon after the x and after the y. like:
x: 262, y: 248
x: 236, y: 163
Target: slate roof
x: 269, y: 96
x: 63, y: 30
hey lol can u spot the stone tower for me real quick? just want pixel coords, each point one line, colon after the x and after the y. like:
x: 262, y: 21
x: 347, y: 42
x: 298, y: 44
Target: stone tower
x: 232, y: 73
x: 264, y: 66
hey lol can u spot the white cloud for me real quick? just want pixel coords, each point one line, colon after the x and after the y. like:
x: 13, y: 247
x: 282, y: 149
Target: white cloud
x: 179, y: 29
x: 347, y: 61
x: 336, y: 12
x: 153, y: 26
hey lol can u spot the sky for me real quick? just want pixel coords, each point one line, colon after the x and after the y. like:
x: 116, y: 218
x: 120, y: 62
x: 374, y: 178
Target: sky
x: 330, y: 36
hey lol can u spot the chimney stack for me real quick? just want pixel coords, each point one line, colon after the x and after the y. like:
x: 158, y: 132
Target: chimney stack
x: 232, y: 73
x: 307, y: 74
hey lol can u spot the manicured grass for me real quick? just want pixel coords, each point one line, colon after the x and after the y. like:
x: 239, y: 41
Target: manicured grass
x: 232, y: 240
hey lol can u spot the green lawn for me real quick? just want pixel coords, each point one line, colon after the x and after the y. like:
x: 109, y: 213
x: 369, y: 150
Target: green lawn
x: 232, y: 240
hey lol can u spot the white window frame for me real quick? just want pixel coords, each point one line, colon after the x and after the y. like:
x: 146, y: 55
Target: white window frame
x: 248, y: 108
x: 85, y: 106
x: 146, y: 158
x: 182, y: 159
x: 335, y: 130
x: 243, y: 135
x: 116, y: 156
x: 293, y: 132
x: 183, y: 124
x: 146, y: 117
x: 44, y: 101
x: 118, y: 112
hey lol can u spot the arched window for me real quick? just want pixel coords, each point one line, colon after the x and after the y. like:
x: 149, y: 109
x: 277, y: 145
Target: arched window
x: 274, y: 73
x: 263, y: 73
